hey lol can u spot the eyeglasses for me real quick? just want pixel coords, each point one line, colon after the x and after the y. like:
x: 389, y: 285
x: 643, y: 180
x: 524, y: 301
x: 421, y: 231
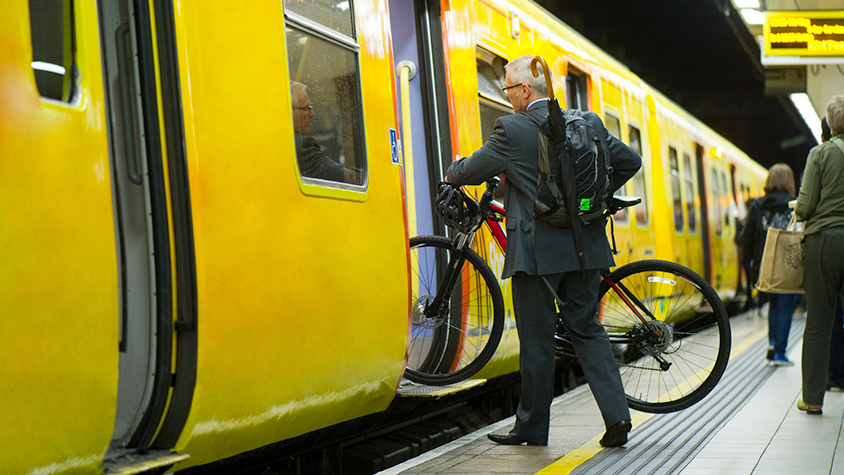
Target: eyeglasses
x: 308, y: 107
x: 511, y: 87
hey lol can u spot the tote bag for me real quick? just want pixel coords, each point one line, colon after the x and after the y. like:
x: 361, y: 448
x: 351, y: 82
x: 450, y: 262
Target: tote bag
x: 781, y: 269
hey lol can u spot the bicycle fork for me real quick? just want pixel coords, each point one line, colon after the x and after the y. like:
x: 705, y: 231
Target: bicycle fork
x: 449, y: 279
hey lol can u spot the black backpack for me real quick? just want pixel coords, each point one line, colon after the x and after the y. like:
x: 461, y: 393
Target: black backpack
x: 775, y: 219
x: 589, y: 163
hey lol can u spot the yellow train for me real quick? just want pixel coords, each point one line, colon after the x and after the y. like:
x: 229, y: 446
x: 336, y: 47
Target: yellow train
x: 183, y: 276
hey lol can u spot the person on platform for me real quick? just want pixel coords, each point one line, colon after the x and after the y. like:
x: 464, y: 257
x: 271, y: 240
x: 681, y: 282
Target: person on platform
x: 821, y: 204
x: 772, y: 211
x: 835, y: 374
x: 313, y: 161
x: 746, y: 261
x: 536, y: 250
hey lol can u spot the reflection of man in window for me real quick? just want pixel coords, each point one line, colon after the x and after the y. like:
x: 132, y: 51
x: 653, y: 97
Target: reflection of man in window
x: 313, y: 161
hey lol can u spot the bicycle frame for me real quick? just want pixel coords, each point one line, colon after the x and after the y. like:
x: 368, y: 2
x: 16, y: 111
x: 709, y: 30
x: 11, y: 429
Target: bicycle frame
x: 494, y: 214
x: 653, y: 325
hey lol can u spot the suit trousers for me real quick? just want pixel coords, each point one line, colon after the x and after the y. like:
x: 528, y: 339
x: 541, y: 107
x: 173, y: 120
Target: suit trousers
x: 536, y: 320
x: 823, y: 279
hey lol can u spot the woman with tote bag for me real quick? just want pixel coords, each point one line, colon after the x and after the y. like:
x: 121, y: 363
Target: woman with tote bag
x: 772, y: 211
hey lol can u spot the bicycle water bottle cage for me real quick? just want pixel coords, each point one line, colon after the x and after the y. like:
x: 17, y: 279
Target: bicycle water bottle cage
x: 457, y: 210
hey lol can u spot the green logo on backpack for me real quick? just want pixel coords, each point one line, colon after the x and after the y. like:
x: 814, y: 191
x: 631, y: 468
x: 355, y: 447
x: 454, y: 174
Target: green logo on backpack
x: 584, y: 204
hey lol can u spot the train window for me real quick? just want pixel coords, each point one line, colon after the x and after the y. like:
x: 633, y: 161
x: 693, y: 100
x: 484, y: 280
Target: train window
x: 326, y: 108
x: 716, y: 199
x: 639, y: 185
x: 492, y: 103
x: 51, y: 25
x: 613, y: 126
x: 688, y: 181
x: 675, y: 189
x: 334, y: 14
x: 576, y: 91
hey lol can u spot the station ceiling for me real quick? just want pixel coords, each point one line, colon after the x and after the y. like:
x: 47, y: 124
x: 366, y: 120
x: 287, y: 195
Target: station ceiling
x: 702, y: 55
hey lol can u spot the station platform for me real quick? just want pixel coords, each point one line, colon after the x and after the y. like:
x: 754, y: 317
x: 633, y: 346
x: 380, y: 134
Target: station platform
x: 747, y: 425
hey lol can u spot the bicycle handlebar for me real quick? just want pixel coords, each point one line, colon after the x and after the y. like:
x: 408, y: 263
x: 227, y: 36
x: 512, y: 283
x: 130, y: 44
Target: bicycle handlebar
x: 615, y: 204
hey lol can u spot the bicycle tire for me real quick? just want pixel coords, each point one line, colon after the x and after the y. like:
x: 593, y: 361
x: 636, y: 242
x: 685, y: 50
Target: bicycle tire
x: 691, y: 332
x: 458, y: 341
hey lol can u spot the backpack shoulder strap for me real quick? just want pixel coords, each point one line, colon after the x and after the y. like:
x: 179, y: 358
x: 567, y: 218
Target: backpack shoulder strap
x: 538, y: 121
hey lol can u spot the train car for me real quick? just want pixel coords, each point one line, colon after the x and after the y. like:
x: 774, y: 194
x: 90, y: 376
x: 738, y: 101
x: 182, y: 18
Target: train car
x: 693, y: 183
x: 186, y: 278
x: 175, y: 278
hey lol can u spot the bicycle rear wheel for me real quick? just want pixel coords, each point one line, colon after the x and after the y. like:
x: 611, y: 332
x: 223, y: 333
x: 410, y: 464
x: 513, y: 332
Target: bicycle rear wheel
x: 454, y: 343
x: 669, y: 330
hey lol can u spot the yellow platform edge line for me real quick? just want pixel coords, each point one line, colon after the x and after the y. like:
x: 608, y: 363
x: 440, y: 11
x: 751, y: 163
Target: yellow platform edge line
x: 588, y: 450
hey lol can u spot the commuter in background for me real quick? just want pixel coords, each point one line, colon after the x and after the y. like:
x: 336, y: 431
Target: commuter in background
x: 745, y: 261
x: 821, y: 205
x: 835, y: 374
x: 772, y: 211
x: 536, y: 251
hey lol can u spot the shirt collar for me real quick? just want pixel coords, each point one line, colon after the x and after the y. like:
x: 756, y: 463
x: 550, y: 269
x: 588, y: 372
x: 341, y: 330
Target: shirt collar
x: 537, y: 100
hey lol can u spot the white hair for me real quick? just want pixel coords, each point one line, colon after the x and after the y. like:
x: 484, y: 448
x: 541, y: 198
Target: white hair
x: 835, y: 114
x: 519, y: 70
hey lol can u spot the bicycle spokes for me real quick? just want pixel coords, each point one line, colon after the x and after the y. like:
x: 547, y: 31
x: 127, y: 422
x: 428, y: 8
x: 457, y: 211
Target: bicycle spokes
x: 456, y: 314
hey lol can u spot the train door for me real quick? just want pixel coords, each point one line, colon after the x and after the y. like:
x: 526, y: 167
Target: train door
x: 705, y: 221
x: 643, y: 237
x: 694, y: 257
x: 621, y: 220
x: 676, y: 205
x: 58, y: 270
x: 423, y: 107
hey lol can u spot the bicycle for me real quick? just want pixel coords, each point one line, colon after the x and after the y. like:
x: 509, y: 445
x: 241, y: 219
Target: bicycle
x: 668, y: 327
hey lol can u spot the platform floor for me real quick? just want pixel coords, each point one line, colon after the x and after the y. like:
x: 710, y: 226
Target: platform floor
x: 747, y: 425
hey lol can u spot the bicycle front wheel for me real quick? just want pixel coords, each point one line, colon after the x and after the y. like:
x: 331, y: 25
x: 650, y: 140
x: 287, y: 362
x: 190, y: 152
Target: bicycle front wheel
x: 671, y: 331
x: 455, y: 341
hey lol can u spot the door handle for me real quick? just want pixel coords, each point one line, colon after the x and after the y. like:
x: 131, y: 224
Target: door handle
x: 126, y: 81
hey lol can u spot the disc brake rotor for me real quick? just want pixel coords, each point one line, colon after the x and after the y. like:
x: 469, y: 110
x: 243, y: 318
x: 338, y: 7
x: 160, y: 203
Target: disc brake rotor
x: 419, y: 318
x: 656, y: 339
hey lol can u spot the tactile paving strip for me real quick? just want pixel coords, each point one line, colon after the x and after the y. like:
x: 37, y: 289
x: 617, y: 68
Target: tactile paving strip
x: 666, y: 443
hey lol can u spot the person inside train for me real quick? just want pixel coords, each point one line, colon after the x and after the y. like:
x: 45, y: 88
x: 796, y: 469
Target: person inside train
x: 821, y: 204
x: 538, y: 254
x: 772, y: 211
x: 313, y: 161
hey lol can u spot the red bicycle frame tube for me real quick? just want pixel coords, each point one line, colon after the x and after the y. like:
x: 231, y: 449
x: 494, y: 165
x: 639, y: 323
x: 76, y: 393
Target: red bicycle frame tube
x: 495, y: 226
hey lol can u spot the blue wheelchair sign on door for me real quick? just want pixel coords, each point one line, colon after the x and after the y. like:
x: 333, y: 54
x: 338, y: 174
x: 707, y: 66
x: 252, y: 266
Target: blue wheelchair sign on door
x: 394, y: 146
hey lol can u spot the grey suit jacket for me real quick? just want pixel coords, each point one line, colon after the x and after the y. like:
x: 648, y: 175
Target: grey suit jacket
x: 512, y: 150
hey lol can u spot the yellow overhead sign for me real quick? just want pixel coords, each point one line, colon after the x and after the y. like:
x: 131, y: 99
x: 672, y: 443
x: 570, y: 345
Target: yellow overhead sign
x: 804, y: 33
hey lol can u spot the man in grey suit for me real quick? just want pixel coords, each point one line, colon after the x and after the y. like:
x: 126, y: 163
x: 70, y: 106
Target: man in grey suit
x: 536, y: 250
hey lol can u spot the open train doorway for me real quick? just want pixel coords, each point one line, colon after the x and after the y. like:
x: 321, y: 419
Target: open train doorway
x: 141, y: 225
x: 423, y: 117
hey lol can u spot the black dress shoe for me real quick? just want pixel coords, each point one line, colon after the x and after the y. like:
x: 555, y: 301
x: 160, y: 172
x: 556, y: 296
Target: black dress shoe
x: 616, y: 435
x: 509, y: 439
